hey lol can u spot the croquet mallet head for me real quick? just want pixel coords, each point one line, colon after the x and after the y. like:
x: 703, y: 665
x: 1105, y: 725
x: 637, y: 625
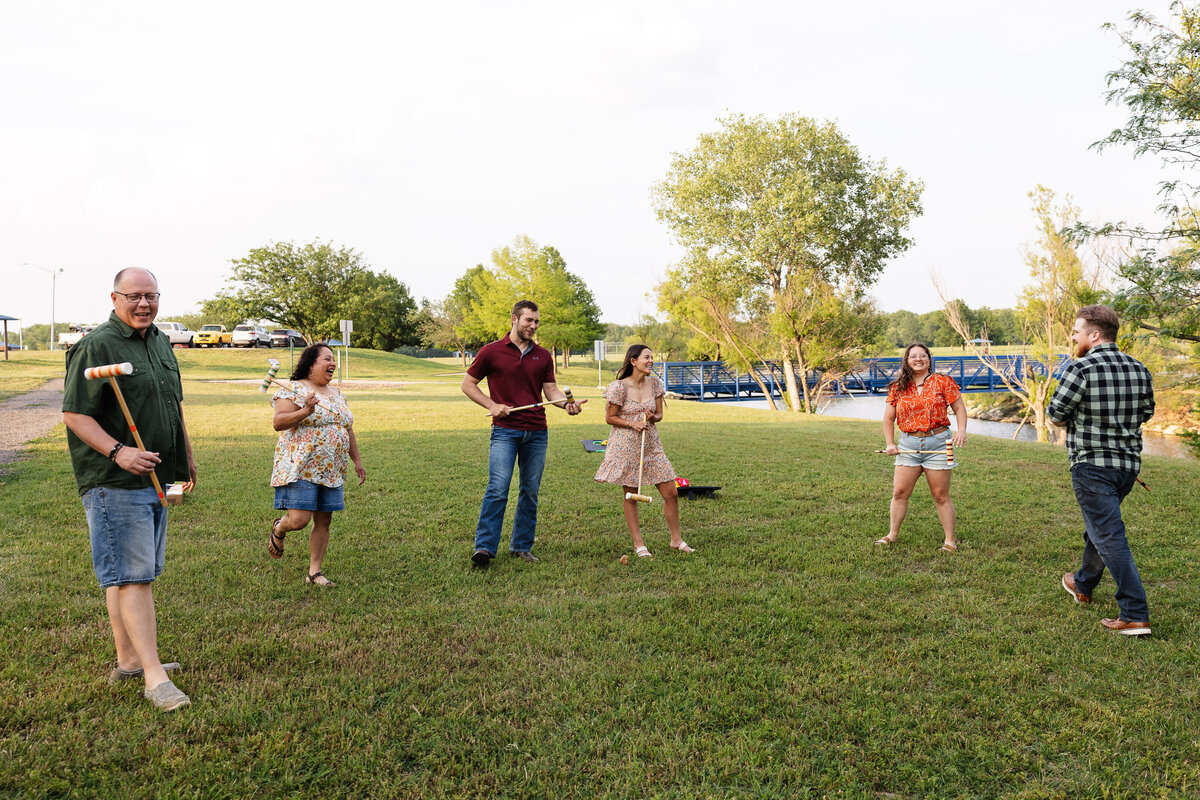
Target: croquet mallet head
x: 639, y: 498
x: 270, y: 374
x: 108, y: 371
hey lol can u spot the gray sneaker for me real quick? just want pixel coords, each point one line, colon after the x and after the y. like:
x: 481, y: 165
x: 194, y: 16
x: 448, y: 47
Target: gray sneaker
x: 119, y: 675
x: 524, y: 555
x: 167, y: 697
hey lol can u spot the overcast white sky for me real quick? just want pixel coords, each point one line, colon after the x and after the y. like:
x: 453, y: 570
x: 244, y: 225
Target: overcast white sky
x: 424, y: 135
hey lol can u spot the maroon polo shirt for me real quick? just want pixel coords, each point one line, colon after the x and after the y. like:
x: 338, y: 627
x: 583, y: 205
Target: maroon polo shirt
x: 515, y: 380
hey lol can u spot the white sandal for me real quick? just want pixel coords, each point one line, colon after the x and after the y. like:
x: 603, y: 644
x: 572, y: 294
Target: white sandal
x: 644, y: 552
x: 683, y: 547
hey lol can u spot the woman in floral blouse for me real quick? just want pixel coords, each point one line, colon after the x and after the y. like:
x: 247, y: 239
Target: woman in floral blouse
x: 316, y: 445
x: 917, y: 403
x: 635, y: 404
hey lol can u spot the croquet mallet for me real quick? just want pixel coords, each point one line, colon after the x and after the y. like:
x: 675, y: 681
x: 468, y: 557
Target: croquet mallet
x: 111, y: 371
x: 639, y: 497
x: 267, y: 381
x: 949, y: 452
x: 570, y: 398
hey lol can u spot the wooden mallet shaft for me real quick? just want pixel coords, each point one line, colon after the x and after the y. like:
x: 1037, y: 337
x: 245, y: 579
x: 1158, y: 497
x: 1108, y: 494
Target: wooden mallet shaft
x: 639, y: 497
x: 270, y: 378
x: 111, y: 371
x: 570, y: 398
x: 949, y: 451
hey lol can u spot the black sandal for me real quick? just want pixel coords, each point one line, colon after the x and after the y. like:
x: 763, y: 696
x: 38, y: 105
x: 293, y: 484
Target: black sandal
x: 318, y: 574
x: 275, y: 541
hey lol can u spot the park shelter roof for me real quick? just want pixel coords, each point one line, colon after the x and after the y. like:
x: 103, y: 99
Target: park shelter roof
x: 7, y: 319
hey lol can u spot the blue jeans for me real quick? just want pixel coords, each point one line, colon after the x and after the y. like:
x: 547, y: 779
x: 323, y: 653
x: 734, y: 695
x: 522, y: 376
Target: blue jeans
x: 528, y: 450
x: 1100, y: 491
x: 128, y: 529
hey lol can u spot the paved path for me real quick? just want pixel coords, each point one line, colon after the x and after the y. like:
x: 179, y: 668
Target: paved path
x: 27, y: 417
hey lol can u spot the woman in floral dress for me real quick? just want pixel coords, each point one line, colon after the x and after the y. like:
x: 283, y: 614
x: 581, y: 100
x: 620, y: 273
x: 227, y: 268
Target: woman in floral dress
x: 316, y: 445
x: 635, y: 404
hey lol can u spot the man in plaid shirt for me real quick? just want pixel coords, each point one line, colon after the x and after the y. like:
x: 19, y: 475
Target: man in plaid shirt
x: 1102, y: 399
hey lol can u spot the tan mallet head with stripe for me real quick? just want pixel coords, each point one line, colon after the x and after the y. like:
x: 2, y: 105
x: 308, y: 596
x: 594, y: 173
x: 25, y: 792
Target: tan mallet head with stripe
x: 567, y: 391
x: 638, y: 498
x: 949, y: 453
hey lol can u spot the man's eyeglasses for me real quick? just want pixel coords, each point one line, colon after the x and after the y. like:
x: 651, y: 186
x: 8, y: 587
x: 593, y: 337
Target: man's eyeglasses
x: 136, y: 297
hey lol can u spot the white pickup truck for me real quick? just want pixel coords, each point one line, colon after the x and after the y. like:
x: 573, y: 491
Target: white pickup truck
x: 74, y: 334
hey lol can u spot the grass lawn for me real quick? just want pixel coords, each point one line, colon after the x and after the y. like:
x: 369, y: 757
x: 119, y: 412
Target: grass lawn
x: 788, y: 657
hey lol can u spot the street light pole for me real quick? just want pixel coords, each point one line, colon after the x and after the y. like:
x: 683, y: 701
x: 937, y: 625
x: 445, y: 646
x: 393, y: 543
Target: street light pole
x: 53, y: 286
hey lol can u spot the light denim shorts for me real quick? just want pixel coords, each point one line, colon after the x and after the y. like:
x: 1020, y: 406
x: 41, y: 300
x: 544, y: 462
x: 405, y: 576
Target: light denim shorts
x: 128, y: 529
x: 935, y: 460
x: 308, y: 496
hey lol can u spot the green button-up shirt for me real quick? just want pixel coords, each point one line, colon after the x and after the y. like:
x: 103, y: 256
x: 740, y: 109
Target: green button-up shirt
x: 153, y: 393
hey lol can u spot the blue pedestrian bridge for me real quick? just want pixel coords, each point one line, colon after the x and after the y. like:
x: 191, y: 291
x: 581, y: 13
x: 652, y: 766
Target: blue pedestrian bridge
x: 716, y: 380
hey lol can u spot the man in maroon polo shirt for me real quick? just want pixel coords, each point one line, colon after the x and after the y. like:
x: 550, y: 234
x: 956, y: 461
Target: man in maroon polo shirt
x: 518, y: 373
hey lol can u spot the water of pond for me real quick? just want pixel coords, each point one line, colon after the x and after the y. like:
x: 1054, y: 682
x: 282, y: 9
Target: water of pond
x: 871, y: 407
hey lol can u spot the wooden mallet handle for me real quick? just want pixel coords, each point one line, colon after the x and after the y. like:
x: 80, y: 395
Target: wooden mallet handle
x: 111, y: 371
x: 639, y: 497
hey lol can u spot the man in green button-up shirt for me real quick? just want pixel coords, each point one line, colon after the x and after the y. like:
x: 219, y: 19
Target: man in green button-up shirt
x: 126, y: 521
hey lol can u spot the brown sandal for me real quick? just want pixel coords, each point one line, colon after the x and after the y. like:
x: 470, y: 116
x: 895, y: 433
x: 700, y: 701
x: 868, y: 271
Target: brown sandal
x: 275, y: 541
x: 318, y: 574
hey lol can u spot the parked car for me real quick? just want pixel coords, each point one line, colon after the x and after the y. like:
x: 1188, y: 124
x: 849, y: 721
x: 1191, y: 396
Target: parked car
x: 177, y: 333
x: 74, y: 334
x: 213, y: 336
x: 286, y: 337
x: 251, y: 336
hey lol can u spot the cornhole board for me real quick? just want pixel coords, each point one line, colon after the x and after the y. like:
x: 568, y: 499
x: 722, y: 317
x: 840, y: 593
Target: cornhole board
x: 594, y: 445
x: 692, y: 491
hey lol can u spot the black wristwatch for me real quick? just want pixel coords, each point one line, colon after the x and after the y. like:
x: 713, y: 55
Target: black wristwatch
x: 112, y: 454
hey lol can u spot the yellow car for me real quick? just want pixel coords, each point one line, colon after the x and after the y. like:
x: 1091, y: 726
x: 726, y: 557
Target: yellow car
x: 213, y: 336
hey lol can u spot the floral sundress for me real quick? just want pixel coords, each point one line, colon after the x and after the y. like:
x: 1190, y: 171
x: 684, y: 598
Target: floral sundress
x: 620, y: 465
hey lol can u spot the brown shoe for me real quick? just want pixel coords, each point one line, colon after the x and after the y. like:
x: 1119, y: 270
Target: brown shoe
x: 1127, y: 628
x: 1068, y: 583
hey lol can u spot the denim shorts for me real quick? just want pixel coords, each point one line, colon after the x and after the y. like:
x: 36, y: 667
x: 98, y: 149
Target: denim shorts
x: 128, y: 529
x: 307, y: 496
x: 936, y: 460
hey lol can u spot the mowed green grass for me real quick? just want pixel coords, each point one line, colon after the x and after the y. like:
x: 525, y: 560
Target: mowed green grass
x: 788, y: 657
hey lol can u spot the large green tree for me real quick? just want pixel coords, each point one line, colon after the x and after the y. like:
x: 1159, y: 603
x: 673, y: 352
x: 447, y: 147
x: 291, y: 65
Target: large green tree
x: 570, y: 318
x: 1159, y: 85
x: 793, y: 215
x: 311, y: 287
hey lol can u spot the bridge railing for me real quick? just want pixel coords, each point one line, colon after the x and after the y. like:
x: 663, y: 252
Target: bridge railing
x: 714, y: 379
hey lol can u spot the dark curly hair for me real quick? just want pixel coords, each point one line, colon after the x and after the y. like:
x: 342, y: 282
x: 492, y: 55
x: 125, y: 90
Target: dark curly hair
x: 307, y: 359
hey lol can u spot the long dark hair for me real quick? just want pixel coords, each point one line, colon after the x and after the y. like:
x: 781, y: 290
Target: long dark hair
x: 906, y: 374
x: 631, y: 355
x: 307, y: 359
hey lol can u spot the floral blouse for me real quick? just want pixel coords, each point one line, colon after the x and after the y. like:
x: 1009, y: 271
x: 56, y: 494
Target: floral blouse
x: 924, y: 409
x: 318, y: 449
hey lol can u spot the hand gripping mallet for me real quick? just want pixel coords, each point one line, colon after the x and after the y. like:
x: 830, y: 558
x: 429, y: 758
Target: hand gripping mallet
x: 267, y: 381
x: 639, y: 497
x: 949, y: 452
x: 570, y: 398
x: 111, y: 371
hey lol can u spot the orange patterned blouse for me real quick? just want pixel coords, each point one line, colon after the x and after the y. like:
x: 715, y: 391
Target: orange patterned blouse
x: 924, y: 409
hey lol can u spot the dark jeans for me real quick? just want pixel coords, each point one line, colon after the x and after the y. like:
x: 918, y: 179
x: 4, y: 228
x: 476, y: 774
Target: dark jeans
x: 1100, y: 491
x: 528, y: 450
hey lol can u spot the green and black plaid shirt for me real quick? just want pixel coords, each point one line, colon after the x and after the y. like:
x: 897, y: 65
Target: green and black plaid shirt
x: 1104, y: 398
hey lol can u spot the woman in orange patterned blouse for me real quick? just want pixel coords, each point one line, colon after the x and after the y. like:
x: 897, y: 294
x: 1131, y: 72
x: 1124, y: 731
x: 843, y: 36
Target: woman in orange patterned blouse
x: 316, y: 445
x: 917, y: 403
